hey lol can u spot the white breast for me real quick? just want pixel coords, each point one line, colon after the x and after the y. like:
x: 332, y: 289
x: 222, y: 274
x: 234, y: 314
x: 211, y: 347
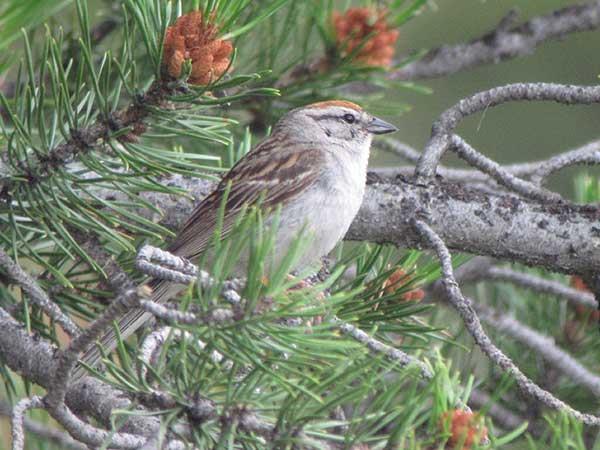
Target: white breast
x: 327, y: 209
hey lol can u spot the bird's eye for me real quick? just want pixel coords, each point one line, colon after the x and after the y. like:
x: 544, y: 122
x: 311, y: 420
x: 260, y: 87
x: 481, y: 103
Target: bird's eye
x: 349, y: 118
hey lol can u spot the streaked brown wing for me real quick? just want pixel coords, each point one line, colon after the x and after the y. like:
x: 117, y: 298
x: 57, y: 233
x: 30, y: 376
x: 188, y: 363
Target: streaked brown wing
x: 270, y: 170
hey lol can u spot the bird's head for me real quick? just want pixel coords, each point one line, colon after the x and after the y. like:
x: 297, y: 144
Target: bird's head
x: 334, y: 122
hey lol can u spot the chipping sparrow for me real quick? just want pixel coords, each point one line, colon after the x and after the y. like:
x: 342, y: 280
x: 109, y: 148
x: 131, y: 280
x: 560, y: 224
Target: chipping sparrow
x: 314, y: 165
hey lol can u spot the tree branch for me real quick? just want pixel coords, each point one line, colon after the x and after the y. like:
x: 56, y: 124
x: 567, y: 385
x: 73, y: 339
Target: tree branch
x: 542, y: 345
x: 67, y: 359
x: 34, y: 359
x: 587, y: 154
x: 443, y: 128
x: 503, y: 43
x: 37, y: 295
x: 18, y: 420
x: 377, y: 346
x: 464, y: 308
x: 538, y: 284
x: 560, y: 238
x: 536, y: 171
x: 44, y: 431
x: 497, y: 172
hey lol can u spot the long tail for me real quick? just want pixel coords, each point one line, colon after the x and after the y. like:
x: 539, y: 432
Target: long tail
x: 162, y: 291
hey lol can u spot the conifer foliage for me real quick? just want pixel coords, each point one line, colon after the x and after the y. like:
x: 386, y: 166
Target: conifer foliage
x: 115, y: 118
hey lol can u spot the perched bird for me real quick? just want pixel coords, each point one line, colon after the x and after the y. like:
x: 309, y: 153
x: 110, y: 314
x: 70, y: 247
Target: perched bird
x: 313, y: 165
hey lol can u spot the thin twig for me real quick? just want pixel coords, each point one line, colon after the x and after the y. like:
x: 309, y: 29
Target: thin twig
x: 588, y: 154
x: 175, y: 264
x: 502, y: 43
x: 153, y: 343
x: 542, y: 345
x: 444, y: 126
x: 219, y: 315
x: 163, y: 265
x: 402, y: 149
x: 37, y: 295
x: 55, y: 399
x: 379, y: 347
x: 67, y: 359
x: 471, y: 321
x: 90, y: 435
x: 539, y: 284
x: 35, y: 359
x: 495, y: 170
x: 18, y: 419
x: 536, y: 171
x: 44, y: 431
x: 592, y: 280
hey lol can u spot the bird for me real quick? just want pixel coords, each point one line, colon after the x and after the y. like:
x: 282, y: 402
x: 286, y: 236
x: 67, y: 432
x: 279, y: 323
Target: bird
x: 312, y: 169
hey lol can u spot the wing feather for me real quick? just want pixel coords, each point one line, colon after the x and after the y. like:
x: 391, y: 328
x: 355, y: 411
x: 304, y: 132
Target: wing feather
x: 272, y: 172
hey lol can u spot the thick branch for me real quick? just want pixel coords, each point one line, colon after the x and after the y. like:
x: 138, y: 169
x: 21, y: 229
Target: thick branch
x: 502, y: 43
x: 35, y: 360
x: 561, y: 238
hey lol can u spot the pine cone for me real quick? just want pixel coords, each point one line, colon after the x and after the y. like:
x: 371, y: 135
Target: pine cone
x: 399, y: 279
x: 193, y: 38
x: 465, y: 427
x: 355, y: 25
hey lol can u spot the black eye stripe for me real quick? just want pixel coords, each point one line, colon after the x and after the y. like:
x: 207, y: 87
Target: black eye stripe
x: 348, y: 117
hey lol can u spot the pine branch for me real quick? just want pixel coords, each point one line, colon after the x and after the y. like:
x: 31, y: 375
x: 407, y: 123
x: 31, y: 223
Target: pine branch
x: 88, y: 138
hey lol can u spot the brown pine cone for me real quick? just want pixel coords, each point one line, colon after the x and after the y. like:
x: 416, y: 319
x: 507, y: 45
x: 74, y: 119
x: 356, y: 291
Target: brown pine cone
x: 398, y: 279
x: 465, y: 428
x: 356, y: 25
x: 191, y: 37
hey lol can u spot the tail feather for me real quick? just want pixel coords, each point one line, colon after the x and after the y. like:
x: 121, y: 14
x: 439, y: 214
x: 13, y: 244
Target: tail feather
x: 162, y: 291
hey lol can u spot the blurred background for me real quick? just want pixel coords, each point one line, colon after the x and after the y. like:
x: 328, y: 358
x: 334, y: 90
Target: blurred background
x: 511, y: 133
x: 516, y: 132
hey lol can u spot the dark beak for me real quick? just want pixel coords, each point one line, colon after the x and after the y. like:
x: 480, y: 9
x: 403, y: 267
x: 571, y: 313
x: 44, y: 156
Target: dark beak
x: 378, y: 126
